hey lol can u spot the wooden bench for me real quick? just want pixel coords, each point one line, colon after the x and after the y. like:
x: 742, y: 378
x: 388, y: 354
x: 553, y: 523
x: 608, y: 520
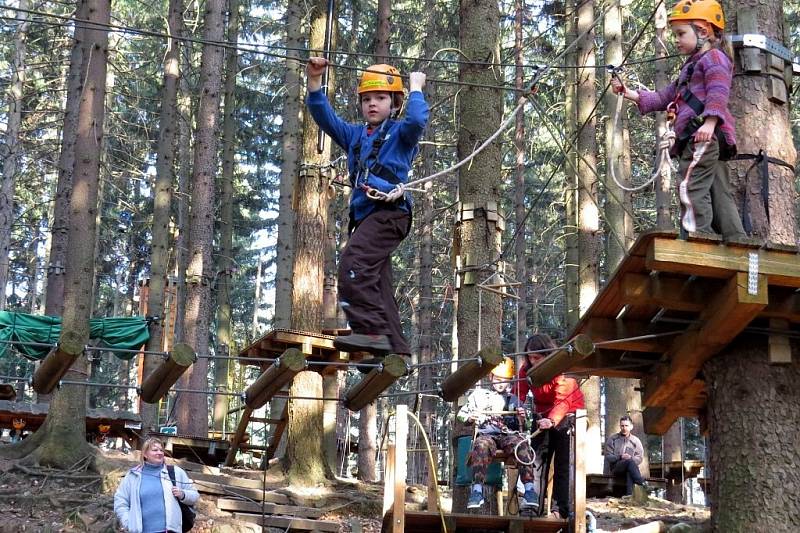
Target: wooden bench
x: 603, y: 485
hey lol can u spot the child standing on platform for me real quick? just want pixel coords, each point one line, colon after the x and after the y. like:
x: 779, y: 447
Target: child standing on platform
x: 379, y: 156
x: 704, y: 127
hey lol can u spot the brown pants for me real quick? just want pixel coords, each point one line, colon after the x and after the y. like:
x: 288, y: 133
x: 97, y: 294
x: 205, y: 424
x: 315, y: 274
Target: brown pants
x: 366, y: 291
x: 704, y: 192
x: 486, y: 445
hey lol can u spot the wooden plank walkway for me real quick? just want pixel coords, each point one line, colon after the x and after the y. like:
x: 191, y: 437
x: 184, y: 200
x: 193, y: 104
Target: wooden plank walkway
x: 431, y: 522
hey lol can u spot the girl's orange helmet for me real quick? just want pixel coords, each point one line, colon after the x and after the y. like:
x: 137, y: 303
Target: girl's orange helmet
x: 709, y: 11
x: 505, y: 369
x: 384, y: 78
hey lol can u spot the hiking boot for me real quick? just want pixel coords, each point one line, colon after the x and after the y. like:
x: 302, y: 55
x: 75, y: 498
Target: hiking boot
x: 362, y: 342
x: 475, y: 500
x: 530, y: 500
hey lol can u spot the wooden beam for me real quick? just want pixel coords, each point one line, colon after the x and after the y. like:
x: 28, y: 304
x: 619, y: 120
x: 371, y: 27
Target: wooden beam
x: 609, y: 330
x: 388, y: 481
x: 378, y: 380
x: 561, y: 361
x: 470, y: 373
x: 717, y: 261
x: 579, y: 460
x: 230, y: 458
x: 156, y: 385
x: 277, y: 376
x: 728, y: 313
x: 433, y: 490
x: 58, y: 361
x: 400, y: 469
x: 783, y: 304
x: 780, y: 351
x: 280, y: 427
x: 231, y: 505
x: 667, y: 292
x: 657, y: 420
x: 288, y: 523
x: 614, y: 364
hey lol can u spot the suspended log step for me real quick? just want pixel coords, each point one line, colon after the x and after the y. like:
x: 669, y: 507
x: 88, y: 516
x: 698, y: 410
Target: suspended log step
x: 53, y: 367
x: 569, y: 356
x: 157, y: 384
x: 274, y: 378
x: 470, y: 373
x: 378, y: 380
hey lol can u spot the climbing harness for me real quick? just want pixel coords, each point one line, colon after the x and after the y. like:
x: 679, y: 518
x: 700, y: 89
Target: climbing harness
x: 761, y: 160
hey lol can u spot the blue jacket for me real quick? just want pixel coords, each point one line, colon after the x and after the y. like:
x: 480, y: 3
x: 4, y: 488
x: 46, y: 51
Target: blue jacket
x: 400, y: 145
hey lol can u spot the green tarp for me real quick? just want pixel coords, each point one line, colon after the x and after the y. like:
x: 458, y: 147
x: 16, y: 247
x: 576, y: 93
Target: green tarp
x: 123, y: 333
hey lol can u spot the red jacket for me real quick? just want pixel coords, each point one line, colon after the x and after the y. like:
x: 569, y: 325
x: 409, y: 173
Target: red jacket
x: 553, y: 400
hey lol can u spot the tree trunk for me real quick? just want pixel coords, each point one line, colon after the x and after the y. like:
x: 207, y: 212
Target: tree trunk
x: 571, y: 278
x: 367, y: 442
x: 11, y: 152
x: 192, y: 409
x: 520, y: 255
x: 478, y: 239
x: 257, y: 295
x: 304, y: 459
x: 61, y: 441
x: 624, y: 399
x: 588, y: 213
x: 291, y: 136
x: 752, y: 405
x: 225, y: 260
x: 664, y: 191
x: 383, y: 31
x: 182, y: 201
x: 162, y: 207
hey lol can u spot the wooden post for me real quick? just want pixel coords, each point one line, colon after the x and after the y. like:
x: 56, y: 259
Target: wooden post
x: 579, y: 487
x: 58, y: 361
x: 780, y: 352
x: 433, y: 490
x: 230, y: 458
x: 400, y: 469
x: 158, y: 383
x: 285, y: 368
x: 378, y: 380
x: 559, y: 362
x: 388, y: 480
x: 470, y: 373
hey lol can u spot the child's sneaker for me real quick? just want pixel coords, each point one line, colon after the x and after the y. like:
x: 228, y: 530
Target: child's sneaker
x: 362, y: 342
x: 475, y: 500
x: 530, y: 500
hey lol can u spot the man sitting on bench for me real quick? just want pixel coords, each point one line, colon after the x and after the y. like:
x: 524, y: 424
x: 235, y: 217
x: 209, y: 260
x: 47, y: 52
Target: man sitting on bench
x: 499, y: 417
x: 623, y: 455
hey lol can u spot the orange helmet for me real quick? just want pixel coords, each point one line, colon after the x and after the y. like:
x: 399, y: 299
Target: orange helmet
x: 709, y: 11
x: 381, y: 78
x: 505, y: 369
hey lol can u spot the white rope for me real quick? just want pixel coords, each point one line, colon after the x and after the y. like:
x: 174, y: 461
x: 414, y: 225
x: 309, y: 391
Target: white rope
x: 663, y: 163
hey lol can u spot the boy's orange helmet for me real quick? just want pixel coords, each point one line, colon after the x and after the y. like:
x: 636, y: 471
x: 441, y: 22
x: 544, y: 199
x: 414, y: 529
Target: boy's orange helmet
x: 709, y: 11
x: 384, y: 78
x: 505, y: 369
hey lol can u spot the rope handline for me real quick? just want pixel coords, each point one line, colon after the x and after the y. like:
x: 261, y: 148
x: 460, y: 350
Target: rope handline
x: 432, y: 468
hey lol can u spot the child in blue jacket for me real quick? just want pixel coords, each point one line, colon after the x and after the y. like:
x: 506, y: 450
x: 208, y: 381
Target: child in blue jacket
x: 379, y: 157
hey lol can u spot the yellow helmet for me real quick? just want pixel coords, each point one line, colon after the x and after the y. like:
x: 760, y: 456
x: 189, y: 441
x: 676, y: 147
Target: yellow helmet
x: 709, y: 11
x: 380, y: 78
x: 504, y: 369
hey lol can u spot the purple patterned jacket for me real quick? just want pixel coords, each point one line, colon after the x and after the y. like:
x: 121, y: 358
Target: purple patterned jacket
x: 710, y: 82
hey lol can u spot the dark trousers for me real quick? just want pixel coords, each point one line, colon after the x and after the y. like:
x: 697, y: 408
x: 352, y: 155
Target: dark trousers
x: 486, y: 445
x: 629, y: 469
x: 553, y: 445
x: 366, y: 291
x: 707, y: 205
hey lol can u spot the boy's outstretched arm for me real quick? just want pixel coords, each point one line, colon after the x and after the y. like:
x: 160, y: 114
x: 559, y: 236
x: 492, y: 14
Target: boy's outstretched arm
x: 416, y: 111
x: 341, y: 132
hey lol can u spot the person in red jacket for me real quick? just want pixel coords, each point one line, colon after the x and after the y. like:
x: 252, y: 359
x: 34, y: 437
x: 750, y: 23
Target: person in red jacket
x: 554, y: 404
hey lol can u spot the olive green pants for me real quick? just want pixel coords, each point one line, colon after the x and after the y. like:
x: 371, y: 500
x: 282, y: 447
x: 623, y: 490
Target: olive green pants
x: 707, y: 205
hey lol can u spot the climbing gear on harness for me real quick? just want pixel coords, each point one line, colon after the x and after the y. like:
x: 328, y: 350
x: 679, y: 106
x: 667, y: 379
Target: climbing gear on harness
x: 761, y: 160
x: 709, y: 11
x: 505, y: 369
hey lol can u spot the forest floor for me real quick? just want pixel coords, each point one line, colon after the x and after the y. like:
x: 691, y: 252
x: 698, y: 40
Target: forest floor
x: 41, y: 500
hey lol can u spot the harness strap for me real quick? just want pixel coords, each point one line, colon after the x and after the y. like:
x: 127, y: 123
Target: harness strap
x: 761, y: 160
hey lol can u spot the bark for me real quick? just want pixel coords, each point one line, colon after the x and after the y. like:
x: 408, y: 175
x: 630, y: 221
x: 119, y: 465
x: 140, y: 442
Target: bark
x: 304, y: 459
x: 162, y: 200
x: 11, y: 150
x: 588, y: 213
x: 383, y: 31
x: 257, y: 296
x: 572, y: 292
x: 367, y: 442
x: 478, y: 240
x: 664, y: 182
x: 311, y: 212
x: 291, y: 142
x: 192, y: 409
x: 520, y: 256
x: 225, y: 259
x: 753, y: 422
x: 63, y: 435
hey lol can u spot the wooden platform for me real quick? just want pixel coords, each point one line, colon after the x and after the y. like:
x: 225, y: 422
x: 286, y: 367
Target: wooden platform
x: 603, y: 485
x: 123, y: 423
x: 205, y: 450
x: 431, y: 522
x: 677, y: 303
x: 316, y: 346
x: 672, y: 469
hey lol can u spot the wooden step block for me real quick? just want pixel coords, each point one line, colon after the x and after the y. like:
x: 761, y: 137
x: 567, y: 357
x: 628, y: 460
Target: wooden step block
x: 293, y: 524
x: 229, y: 491
x: 233, y: 505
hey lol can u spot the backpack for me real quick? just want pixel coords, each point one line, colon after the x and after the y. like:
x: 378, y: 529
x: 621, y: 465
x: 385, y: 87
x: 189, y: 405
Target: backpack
x: 188, y: 513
